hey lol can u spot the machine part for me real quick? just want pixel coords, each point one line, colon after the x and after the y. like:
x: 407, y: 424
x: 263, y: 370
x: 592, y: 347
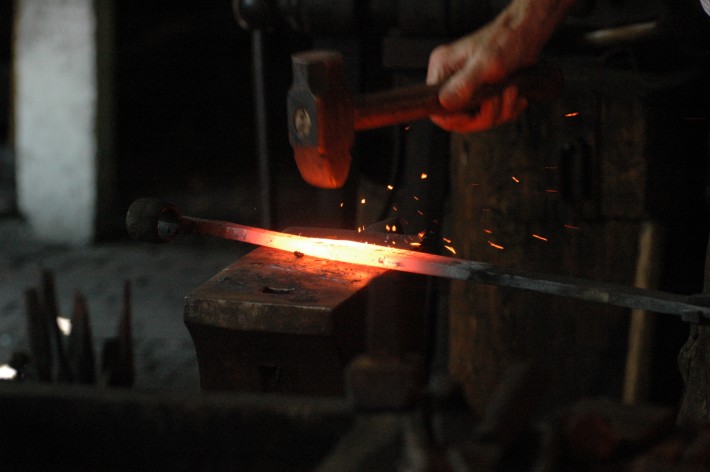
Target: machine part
x: 262, y: 129
x: 308, y: 16
x: 258, y: 14
x: 692, y: 309
x: 323, y: 116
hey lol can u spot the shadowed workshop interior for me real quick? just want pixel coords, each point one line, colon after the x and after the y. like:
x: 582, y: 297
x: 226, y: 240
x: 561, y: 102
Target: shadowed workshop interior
x: 528, y: 349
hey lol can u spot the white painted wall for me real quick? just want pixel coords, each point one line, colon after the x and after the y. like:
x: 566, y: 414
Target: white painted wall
x: 56, y: 108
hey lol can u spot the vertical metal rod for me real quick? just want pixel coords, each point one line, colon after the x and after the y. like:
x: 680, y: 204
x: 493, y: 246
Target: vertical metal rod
x: 257, y: 50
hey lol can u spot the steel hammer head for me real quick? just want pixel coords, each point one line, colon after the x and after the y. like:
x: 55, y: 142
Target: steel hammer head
x: 320, y: 118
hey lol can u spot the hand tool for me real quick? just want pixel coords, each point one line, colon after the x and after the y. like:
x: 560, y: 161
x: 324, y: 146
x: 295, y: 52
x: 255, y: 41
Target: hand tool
x: 156, y: 221
x: 323, y: 115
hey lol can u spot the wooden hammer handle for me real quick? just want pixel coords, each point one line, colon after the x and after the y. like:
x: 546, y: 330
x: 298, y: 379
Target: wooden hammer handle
x: 540, y: 82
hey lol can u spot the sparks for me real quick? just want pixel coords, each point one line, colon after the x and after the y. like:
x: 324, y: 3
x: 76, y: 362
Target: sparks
x: 446, y: 240
x: 394, y: 228
x: 450, y: 249
x: 571, y: 227
x: 415, y: 197
x: 415, y: 244
x: 421, y: 234
x: 515, y: 179
x: 497, y: 246
x: 550, y: 190
x: 390, y: 187
x: 363, y: 201
x: 420, y: 212
x: 394, y: 208
x: 424, y: 175
x: 341, y: 204
x: 541, y: 238
x: 488, y: 231
x: 573, y: 114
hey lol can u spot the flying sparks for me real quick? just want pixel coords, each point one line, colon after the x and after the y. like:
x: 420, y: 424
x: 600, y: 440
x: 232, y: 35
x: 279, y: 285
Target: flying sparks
x: 496, y: 246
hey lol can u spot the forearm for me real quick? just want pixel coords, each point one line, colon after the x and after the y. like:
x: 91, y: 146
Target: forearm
x: 525, y: 26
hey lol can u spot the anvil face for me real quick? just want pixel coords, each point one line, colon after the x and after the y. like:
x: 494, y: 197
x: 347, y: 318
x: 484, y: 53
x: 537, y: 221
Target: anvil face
x: 279, y: 321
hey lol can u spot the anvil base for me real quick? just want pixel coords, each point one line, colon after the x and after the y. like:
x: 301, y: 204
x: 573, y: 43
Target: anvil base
x: 276, y: 321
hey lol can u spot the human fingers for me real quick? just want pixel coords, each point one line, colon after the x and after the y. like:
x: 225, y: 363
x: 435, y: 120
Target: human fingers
x: 492, y: 112
x: 455, y: 94
x: 443, y: 62
x: 512, y: 104
x: 461, y: 122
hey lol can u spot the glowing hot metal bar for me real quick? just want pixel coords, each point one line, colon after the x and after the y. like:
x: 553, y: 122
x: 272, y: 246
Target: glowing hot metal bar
x: 170, y: 222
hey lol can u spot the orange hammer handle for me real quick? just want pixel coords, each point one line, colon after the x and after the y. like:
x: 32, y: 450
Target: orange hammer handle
x: 538, y: 83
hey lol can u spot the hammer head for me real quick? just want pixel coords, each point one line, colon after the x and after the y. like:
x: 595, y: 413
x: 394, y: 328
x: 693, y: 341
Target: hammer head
x: 320, y: 118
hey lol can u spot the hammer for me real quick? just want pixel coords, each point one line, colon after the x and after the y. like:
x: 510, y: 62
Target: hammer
x: 324, y: 115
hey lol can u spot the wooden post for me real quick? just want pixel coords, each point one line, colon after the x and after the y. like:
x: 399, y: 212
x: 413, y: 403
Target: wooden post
x: 638, y: 355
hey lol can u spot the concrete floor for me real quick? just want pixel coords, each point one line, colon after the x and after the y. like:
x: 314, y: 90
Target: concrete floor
x: 161, y: 276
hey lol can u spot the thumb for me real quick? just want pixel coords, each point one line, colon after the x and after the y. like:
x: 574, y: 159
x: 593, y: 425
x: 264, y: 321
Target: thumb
x: 456, y: 92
